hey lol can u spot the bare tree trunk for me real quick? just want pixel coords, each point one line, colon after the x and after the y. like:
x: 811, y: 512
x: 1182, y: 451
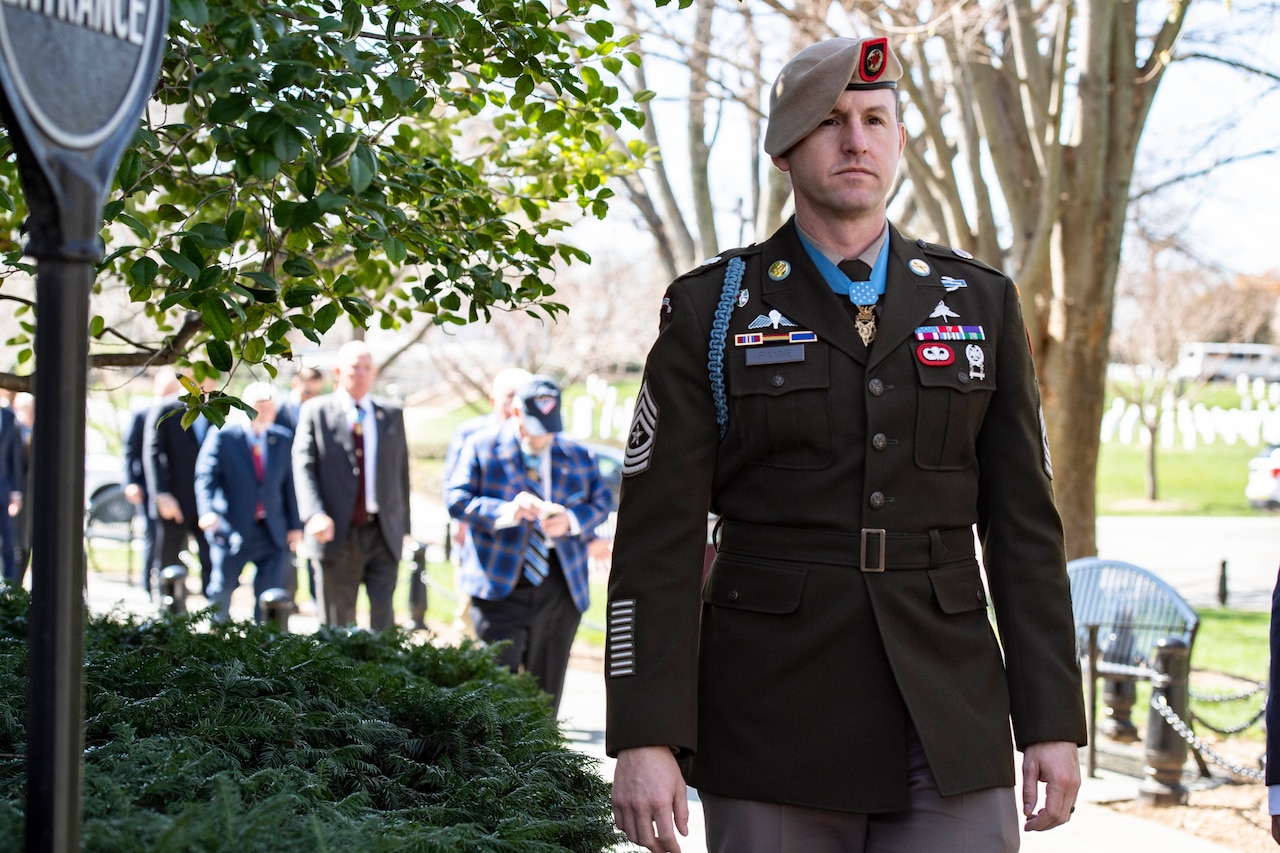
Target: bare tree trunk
x: 699, y: 151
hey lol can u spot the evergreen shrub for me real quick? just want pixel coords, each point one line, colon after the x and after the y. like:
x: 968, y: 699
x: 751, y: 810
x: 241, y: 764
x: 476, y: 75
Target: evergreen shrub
x: 238, y: 738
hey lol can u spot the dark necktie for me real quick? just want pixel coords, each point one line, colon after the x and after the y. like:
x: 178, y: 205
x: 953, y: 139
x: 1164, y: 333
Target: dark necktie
x: 536, y: 564
x: 865, y: 321
x: 259, y: 471
x: 360, y: 513
x: 856, y: 270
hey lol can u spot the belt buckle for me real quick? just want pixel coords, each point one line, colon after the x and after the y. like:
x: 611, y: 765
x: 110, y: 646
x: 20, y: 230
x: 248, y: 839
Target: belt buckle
x: 862, y: 557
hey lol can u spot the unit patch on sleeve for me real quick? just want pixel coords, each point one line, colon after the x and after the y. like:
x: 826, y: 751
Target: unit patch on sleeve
x: 644, y: 428
x: 622, y: 638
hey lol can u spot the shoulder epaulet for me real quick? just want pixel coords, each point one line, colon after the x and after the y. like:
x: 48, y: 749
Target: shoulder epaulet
x: 719, y: 260
x: 940, y: 251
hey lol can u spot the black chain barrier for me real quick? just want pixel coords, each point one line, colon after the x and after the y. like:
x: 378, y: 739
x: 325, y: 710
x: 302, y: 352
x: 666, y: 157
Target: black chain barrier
x: 1184, y: 731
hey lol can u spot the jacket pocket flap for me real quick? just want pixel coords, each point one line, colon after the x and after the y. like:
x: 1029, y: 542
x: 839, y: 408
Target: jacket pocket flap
x: 755, y: 587
x: 958, y: 589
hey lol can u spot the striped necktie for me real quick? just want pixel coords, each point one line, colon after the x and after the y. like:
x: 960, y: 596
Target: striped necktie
x: 536, y: 557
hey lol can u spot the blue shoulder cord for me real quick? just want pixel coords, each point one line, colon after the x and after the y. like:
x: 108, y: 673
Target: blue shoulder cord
x: 719, y: 332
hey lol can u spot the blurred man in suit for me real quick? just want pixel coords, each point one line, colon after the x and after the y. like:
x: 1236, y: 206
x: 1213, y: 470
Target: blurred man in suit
x: 169, y: 457
x: 351, y: 472
x: 307, y: 382
x: 13, y: 479
x: 24, y: 410
x: 165, y: 384
x: 245, y: 497
x: 531, y: 498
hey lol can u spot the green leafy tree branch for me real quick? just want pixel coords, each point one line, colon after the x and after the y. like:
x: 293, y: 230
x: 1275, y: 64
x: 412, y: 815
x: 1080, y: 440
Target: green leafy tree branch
x: 343, y: 158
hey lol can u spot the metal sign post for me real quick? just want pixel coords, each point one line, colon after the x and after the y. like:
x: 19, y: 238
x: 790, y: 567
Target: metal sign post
x: 74, y: 80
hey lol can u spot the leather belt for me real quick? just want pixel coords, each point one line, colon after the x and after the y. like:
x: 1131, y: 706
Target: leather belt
x: 871, y: 550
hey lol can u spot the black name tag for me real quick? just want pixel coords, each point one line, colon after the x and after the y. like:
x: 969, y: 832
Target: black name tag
x: 775, y: 355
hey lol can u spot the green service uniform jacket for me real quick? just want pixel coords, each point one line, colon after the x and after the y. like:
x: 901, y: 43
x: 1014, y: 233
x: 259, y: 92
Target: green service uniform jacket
x: 846, y: 597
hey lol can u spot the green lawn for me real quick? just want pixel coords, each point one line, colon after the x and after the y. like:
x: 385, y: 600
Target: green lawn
x: 1206, y: 481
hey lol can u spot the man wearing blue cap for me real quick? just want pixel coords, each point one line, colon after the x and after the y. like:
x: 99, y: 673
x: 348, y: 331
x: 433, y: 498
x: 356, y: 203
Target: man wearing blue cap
x: 531, y: 497
x: 852, y: 404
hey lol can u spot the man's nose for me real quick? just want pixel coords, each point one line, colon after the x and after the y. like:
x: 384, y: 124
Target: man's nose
x: 855, y: 139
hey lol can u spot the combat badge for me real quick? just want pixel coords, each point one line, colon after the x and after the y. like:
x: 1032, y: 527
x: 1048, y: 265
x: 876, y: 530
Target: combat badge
x: 977, y: 361
x: 644, y: 429
x: 953, y: 284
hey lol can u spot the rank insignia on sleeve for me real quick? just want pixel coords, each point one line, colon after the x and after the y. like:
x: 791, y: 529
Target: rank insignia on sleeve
x: 644, y: 429
x: 622, y: 637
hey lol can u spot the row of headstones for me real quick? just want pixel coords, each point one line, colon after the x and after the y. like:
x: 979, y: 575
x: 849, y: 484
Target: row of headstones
x: 1186, y: 424
x: 599, y: 413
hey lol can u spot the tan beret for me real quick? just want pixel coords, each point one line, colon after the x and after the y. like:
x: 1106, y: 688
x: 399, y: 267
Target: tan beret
x: 810, y: 84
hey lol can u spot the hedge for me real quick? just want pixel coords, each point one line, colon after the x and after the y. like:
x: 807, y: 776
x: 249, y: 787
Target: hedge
x: 235, y: 737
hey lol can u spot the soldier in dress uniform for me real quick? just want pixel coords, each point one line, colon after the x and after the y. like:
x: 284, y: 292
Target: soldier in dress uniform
x: 854, y: 405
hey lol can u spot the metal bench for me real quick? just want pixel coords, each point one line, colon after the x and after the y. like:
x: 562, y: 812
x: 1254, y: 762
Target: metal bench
x: 110, y: 516
x: 1121, y: 613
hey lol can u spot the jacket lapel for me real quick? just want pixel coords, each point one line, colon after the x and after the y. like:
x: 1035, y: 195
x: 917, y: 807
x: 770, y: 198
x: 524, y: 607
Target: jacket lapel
x: 340, y: 428
x: 909, y: 298
x: 803, y: 296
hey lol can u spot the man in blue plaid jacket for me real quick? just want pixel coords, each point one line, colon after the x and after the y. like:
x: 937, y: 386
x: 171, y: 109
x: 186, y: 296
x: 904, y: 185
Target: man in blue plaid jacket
x: 531, y: 498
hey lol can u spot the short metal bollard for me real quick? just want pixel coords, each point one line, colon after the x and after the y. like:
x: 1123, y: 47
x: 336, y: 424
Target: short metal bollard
x: 1166, y: 751
x: 1118, y: 694
x: 275, y: 605
x: 417, y: 552
x: 173, y: 589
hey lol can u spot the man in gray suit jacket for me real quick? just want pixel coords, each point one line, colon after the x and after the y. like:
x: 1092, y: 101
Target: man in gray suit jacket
x: 351, y: 472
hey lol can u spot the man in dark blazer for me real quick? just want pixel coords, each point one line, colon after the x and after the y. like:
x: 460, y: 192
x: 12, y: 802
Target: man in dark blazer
x: 165, y: 385
x: 13, y: 479
x: 523, y: 485
x: 307, y: 382
x: 169, y: 454
x: 245, y: 497
x: 837, y: 678
x: 351, y: 472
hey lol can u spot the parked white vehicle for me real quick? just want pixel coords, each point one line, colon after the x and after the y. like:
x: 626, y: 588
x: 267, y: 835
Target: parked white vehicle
x: 1202, y: 360
x: 1263, y: 487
